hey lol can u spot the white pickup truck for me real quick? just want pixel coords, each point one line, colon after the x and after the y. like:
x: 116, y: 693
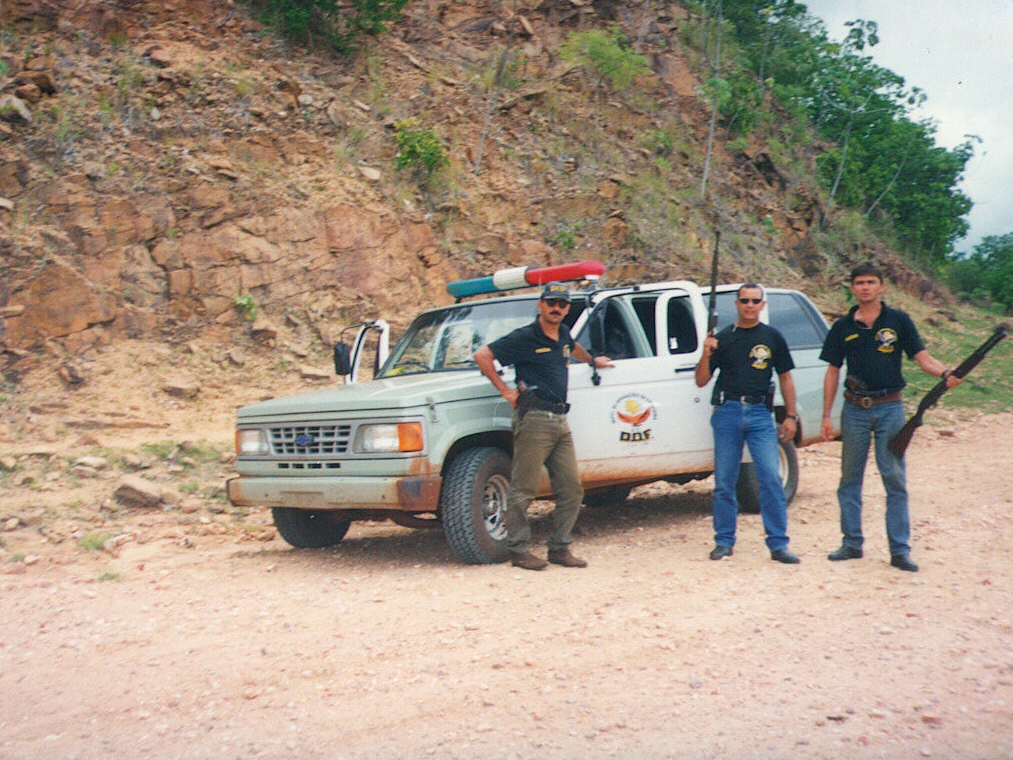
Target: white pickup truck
x: 427, y: 442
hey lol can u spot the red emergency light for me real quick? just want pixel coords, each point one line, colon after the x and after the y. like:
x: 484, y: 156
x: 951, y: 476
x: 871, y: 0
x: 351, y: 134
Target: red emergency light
x: 526, y: 277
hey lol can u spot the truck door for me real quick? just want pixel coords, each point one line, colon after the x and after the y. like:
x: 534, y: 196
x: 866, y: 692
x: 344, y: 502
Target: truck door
x: 646, y: 419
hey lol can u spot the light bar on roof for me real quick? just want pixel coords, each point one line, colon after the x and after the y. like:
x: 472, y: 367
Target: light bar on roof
x: 525, y: 277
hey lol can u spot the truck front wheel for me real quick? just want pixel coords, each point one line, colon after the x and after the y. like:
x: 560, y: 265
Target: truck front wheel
x: 309, y: 529
x: 473, y: 504
x: 748, y: 488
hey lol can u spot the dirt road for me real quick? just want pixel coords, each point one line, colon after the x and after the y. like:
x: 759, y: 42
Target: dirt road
x: 197, y: 644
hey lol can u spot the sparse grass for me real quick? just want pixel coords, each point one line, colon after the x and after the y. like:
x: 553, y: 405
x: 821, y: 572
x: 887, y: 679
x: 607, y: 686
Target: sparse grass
x: 93, y: 542
x: 109, y: 575
x: 159, y: 449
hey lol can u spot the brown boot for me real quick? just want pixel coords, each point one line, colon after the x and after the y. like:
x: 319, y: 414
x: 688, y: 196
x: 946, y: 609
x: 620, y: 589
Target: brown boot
x: 527, y: 560
x: 565, y: 558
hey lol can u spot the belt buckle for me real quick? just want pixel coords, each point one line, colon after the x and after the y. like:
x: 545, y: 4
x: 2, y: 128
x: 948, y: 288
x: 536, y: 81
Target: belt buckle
x: 866, y: 402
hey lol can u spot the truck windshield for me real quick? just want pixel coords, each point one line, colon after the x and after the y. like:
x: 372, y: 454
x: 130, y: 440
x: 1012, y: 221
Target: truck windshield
x: 445, y: 339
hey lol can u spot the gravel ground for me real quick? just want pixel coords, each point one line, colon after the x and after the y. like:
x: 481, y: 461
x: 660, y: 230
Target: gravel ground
x: 196, y: 643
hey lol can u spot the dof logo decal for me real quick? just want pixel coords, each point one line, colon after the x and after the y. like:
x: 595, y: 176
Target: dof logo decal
x: 887, y: 339
x: 632, y: 413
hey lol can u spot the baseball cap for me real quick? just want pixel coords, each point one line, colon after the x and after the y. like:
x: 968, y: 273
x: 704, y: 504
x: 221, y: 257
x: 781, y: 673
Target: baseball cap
x: 556, y: 290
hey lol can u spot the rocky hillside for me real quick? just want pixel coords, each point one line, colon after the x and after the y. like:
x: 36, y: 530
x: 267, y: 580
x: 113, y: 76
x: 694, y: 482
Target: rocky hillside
x: 169, y: 168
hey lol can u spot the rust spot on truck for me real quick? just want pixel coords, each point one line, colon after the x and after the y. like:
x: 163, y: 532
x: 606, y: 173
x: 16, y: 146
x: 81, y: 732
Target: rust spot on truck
x: 419, y: 494
x: 421, y: 466
x: 233, y: 489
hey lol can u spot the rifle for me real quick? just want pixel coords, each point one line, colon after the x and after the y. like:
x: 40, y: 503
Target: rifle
x: 898, y: 444
x: 712, y: 307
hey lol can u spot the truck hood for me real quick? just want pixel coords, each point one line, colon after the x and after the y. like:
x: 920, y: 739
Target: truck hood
x: 388, y: 395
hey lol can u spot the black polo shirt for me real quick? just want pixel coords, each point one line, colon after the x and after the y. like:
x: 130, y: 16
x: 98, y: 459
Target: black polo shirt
x: 539, y: 361
x: 747, y: 358
x: 873, y: 353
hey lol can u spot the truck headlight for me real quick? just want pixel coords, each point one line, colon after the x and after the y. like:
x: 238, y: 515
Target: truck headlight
x: 389, y: 437
x: 252, y: 443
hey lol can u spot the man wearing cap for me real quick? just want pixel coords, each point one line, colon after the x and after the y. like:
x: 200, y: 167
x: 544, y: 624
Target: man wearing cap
x: 540, y: 353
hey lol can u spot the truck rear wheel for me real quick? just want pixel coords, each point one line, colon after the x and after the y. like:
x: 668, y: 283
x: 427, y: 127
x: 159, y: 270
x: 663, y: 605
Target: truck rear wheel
x: 748, y: 488
x: 473, y: 505
x: 309, y: 529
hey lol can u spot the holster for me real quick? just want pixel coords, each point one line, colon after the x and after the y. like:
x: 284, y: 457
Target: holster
x: 525, y: 400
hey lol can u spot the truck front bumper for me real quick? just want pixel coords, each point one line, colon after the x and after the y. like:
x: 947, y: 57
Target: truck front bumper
x: 414, y: 493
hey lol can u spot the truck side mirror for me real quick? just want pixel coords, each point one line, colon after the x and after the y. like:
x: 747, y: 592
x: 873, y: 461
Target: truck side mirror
x: 342, y: 359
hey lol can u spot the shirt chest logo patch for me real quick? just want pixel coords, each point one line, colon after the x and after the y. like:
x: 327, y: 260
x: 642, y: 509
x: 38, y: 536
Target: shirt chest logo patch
x: 886, y: 340
x: 542, y: 350
x: 566, y: 352
x: 760, y: 356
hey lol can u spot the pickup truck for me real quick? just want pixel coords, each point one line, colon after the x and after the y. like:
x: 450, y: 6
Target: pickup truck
x: 427, y: 442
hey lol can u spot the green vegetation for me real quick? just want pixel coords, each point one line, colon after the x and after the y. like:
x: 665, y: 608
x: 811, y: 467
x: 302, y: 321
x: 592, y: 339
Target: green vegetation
x: 883, y: 165
x: 245, y: 306
x: 419, y: 150
x: 986, y: 275
x: 607, y: 54
x: 316, y: 22
x: 110, y: 575
x: 93, y: 542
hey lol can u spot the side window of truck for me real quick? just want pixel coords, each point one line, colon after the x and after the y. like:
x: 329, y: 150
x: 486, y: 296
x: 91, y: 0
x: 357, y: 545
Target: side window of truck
x: 622, y: 331
x: 794, y: 318
x: 681, y: 327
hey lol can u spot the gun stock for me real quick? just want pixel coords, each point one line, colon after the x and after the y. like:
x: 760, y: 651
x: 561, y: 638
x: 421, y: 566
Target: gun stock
x: 899, y: 443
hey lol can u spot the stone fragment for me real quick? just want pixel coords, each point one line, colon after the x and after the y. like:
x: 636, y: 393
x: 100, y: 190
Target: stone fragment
x: 181, y: 387
x: 135, y: 491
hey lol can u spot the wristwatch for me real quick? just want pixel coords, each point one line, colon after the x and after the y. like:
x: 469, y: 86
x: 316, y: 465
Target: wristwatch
x: 791, y: 417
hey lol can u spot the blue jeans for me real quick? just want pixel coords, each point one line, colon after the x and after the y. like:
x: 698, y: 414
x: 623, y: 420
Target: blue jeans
x: 735, y: 424
x: 858, y: 427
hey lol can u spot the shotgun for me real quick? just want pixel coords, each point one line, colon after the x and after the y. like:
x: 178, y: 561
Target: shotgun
x: 898, y: 444
x: 712, y: 307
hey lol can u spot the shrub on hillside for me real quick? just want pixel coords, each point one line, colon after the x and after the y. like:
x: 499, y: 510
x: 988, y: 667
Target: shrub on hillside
x: 327, y: 21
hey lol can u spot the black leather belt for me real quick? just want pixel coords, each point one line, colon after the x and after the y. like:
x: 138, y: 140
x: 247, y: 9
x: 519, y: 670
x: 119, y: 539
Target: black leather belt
x: 743, y: 399
x: 869, y: 401
x: 549, y: 406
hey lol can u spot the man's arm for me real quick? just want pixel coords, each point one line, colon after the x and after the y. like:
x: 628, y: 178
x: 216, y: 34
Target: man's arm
x: 830, y: 383
x: 487, y: 364
x: 932, y: 366
x: 580, y: 354
x: 702, y: 374
x: 790, y: 425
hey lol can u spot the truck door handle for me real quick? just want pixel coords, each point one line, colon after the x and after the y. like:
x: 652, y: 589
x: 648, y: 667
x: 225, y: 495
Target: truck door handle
x: 685, y: 369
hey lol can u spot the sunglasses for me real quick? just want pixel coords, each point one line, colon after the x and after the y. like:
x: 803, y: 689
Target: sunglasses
x: 557, y: 303
x: 751, y: 300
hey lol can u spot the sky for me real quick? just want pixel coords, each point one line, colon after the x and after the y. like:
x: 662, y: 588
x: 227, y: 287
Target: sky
x: 960, y: 54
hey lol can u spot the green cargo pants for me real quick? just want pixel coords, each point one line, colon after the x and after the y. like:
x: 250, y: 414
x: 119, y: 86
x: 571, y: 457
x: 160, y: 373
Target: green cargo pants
x: 542, y: 438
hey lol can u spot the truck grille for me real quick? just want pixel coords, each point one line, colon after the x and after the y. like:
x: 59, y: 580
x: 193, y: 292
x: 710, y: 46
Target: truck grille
x: 310, y: 440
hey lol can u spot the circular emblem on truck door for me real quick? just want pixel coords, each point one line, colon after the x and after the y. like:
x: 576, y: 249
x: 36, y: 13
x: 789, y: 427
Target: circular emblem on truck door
x: 633, y: 415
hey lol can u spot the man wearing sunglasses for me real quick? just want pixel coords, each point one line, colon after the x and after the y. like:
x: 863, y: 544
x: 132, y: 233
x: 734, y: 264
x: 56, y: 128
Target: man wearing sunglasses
x: 745, y: 355
x: 540, y: 353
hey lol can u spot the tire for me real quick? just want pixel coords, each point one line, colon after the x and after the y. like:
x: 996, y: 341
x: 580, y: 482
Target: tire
x: 473, y: 504
x: 309, y: 529
x: 611, y: 496
x: 748, y: 488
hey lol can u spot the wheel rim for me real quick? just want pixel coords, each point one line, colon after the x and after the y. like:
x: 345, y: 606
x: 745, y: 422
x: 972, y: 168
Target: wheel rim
x: 494, y: 501
x: 784, y: 469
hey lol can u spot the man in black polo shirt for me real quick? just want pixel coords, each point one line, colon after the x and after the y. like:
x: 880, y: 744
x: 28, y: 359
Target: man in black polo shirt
x: 540, y: 353
x: 745, y: 355
x: 872, y: 338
